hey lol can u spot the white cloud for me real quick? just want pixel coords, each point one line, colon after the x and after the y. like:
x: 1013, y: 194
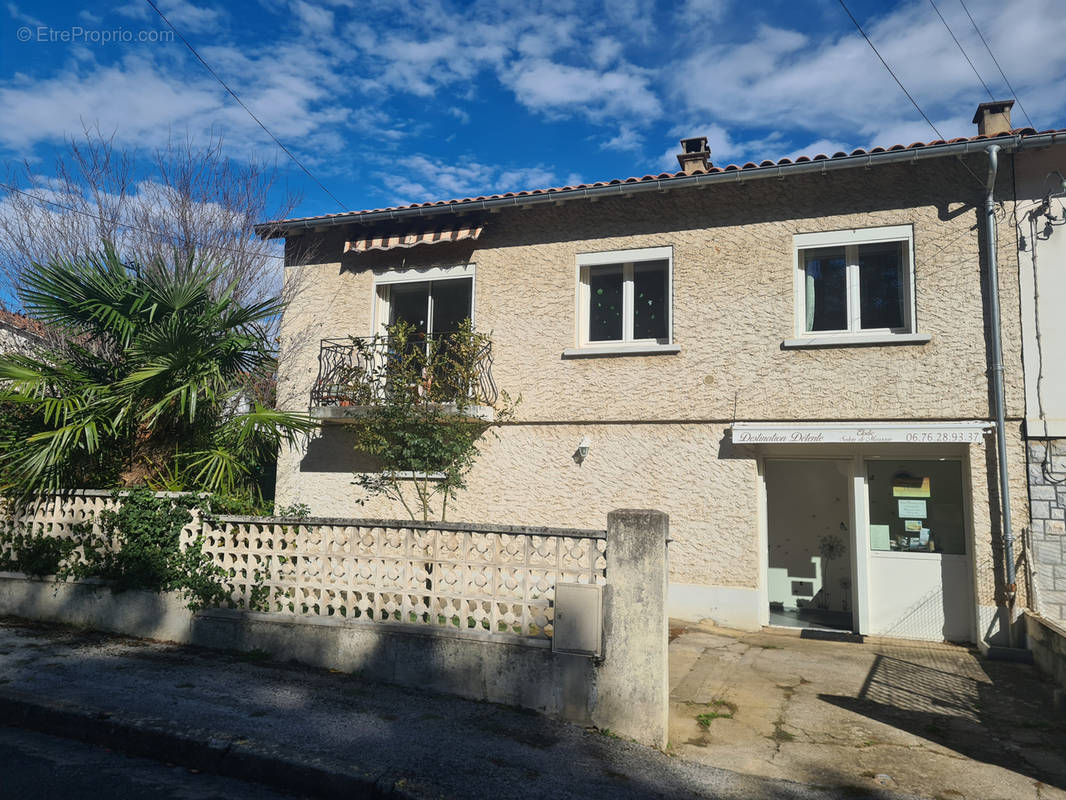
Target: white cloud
x: 702, y: 12
x: 605, y: 51
x: 420, y: 178
x: 625, y: 139
x: 459, y: 114
x: 637, y: 16
x: 313, y: 18
x: 833, y: 86
x: 187, y: 17
x: 331, y: 82
x: 525, y: 178
x: 547, y: 86
x: 19, y: 15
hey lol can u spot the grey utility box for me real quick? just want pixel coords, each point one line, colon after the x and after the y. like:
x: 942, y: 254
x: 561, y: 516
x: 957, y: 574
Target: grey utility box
x: 578, y: 624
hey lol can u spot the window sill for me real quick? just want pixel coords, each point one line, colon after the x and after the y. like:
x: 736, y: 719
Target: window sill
x: 608, y: 350
x: 856, y: 340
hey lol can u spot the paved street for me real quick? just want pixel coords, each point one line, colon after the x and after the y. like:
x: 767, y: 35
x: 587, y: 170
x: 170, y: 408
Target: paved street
x: 334, y: 734
x: 33, y: 765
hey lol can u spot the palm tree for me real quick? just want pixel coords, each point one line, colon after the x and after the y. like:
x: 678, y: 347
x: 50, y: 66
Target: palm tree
x: 155, y: 381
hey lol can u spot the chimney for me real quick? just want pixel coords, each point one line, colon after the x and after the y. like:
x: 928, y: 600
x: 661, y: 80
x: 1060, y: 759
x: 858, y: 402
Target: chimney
x: 993, y: 118
x: 694, y: 155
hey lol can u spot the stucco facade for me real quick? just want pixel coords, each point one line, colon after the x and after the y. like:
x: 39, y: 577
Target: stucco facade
x: 659, y: 425
x: 1041, y: 235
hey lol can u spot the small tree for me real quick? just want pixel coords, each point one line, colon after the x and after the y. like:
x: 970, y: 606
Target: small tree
x: 421, y: 420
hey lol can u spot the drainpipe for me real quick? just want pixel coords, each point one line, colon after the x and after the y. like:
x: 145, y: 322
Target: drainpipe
x: 997, y: 382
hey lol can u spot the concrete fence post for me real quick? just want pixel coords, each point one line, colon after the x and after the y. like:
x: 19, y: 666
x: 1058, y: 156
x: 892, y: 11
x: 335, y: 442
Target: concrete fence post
x: 632, y: 682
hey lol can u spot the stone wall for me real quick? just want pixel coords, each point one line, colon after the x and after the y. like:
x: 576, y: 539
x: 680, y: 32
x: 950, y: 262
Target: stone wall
x: 1047, y: 640
x: 1047, y: 502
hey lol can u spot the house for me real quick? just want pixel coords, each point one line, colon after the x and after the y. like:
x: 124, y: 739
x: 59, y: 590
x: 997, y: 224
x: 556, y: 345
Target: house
x: 1040, y: 220
x: 795, y: 359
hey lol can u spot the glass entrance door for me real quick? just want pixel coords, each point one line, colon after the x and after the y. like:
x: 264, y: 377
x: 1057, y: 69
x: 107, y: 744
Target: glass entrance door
x: 809, y: 573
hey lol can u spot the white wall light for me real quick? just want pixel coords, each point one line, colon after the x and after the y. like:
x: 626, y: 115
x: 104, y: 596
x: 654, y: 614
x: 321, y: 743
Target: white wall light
x: 582, y: 451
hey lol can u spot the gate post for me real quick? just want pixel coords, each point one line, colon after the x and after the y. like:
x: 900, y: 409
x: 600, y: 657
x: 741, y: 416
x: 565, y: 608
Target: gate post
x: 632, y: 682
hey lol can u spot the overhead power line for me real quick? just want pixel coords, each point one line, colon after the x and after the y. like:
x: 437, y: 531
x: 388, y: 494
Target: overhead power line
x: 890, y: 72
x: 1010, y: 88
x: 160, y: 234
x: 962, y: 50
x: 939, y: 135
x: 240, y: 102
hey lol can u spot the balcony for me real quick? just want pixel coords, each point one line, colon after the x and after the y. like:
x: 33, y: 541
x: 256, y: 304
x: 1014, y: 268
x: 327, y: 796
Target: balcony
x: 358, y: 374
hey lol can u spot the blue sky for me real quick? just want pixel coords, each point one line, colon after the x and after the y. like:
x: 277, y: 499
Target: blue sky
x: 405, y: 101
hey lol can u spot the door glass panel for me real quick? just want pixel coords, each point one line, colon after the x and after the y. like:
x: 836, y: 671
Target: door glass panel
x: 605, y: 303
x: 410, y: 302
x: 451, y: 304
x: 881, y: 285
x: 650, y: 287
x: 827, y: 289
x: 916, y: 506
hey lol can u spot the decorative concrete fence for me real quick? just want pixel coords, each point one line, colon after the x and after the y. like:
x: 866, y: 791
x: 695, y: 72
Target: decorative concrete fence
x: 498, y: 579
x: 455, y: 607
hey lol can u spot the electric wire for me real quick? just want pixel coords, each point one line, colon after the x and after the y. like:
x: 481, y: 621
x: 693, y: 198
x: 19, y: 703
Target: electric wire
x: 890, y: 72
x: 1010, y: 88
x: 962, y: 50
x: 240, y: 102
x: 939, y: 135
x: 116, y: 222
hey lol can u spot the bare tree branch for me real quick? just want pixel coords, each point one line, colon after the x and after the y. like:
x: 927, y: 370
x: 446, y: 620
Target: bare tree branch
x: 190, y: 198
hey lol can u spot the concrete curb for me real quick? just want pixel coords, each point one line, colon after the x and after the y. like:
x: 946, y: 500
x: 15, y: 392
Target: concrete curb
x: 220, y: 754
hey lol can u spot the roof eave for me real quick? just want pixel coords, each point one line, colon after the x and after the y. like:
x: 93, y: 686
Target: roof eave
x: 1011, y: 142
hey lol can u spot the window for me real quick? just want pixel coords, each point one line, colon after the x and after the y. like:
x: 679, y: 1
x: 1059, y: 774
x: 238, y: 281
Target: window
x: 434, y: 301
x: 624, y: 299
x: 855, y: 282
x: 916, y: 506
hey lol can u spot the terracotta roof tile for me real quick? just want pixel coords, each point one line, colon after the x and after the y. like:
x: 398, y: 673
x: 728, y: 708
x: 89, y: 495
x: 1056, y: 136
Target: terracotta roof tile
x: 21, y: 322
x: 666, y: 176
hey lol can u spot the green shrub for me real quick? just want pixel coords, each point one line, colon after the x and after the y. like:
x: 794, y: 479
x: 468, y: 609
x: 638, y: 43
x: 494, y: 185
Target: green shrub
x: 34, y: 554
x: 140, y: 548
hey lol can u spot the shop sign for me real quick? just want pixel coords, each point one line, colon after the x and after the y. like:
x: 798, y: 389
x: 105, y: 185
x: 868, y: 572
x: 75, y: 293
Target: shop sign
x: 757, y: 433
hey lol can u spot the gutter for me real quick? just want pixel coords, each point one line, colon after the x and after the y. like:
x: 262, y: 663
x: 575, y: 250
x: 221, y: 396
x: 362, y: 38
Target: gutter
x: 1011, y: 143
x: 991, y: 241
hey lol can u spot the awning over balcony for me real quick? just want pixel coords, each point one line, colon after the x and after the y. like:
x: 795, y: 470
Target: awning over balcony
x: 392, y: 241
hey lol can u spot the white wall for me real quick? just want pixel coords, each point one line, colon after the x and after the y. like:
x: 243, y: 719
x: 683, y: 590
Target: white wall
x: 806, y: 501
x: 1043, y: 288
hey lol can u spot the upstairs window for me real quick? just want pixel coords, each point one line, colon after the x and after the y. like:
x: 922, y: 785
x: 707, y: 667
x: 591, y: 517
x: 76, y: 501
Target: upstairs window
x: 434, y: 302
x: 624, y: 297
x: 855, y: 282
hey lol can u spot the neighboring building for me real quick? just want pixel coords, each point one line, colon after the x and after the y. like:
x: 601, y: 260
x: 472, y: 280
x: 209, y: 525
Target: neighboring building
x: 1041, y: 242
x: 20, y: 334
x: 791, y: 359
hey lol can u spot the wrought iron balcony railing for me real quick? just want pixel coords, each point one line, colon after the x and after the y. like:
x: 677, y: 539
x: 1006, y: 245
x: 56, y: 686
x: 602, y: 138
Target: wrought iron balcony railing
x: 364, y: 371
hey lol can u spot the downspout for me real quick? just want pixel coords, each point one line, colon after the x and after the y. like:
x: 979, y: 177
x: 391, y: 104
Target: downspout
x: 997, y: 383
